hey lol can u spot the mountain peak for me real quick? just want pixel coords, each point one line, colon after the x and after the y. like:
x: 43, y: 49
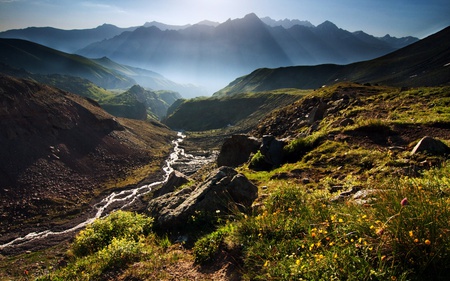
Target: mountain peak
x: 251, y: 16
x: 327, y: 25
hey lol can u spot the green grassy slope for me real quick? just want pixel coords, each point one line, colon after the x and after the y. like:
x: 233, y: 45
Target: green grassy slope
x: 242, y: 111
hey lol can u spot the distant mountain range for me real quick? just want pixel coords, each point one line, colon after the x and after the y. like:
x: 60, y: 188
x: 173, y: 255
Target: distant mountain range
x: 212, y: 54
x: 424, y: 63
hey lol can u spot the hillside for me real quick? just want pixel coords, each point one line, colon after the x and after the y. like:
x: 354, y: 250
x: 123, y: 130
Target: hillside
x: 424, y: 63
x: 237, y: 113
x: 39, y: 59
x: 139, y: 103
x: 58, y: 151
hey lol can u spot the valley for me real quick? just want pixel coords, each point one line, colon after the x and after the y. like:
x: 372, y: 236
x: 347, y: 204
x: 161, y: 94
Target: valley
x: 299, y: 172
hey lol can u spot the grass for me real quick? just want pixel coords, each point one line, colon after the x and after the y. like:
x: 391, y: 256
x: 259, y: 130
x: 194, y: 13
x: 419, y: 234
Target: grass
x: 300, y: 235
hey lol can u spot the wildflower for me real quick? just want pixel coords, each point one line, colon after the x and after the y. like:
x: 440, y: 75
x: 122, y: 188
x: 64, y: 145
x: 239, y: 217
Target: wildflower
x: 380, y: 231
x: 341, y: 220
x: 290, y: 209
x: 416, y: 240
x: 313, y: 235
x: 427, y: 242
x: 266, y: 264
x: 383, y: 258
x: 411, y: 233
x: 297, y: 262
x: 404, y: 202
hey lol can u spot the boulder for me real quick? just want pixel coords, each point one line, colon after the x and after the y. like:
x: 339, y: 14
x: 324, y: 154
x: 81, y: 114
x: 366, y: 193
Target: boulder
x: 317, y: 113
x: 175, y: 180
x: 236, y: 150
x: 272, y: 150
x: 431, y: 146
x: 223, y: 192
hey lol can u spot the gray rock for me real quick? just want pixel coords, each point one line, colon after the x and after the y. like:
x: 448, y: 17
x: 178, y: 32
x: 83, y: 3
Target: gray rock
x: 431, y: 146
x: 236, y: 150
x: 223, y: 192
x: 317, y: 113
x: 272, y: 149
x: 175, y: 180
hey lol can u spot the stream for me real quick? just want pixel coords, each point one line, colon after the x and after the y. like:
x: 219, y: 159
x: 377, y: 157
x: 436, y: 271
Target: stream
x: 116, y: 200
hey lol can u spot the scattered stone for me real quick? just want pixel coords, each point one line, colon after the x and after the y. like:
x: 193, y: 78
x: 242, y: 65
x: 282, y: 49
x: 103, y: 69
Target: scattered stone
x: 236, y: 150
x: 346, y: 122
x: 346, y: 194
x: 317, y: 113
x: 431, y: 146
x: 223, y: 192
x: 364, y: 197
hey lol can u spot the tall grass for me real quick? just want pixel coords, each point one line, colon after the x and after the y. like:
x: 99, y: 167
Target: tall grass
x: 301, y: 235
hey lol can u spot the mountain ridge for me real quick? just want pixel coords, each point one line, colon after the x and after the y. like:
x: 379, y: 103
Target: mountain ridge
x: 211, y: 55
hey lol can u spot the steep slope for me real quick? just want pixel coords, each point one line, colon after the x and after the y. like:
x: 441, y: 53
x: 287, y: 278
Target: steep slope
x: 65, y: 40
x: 39, y: 59
x: 58, y: 151
x: 424, y: 63
x: 239, y: 113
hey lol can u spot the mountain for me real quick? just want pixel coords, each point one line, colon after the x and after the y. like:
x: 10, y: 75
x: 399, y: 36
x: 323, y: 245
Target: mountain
x: 424, y: 63
x: 213, y: 55
x: 59, y: 150
x: 138, y: 103
x: 65, y: 40
x: 164, y: 26
x: 39, y: 59
x: 286, y: 23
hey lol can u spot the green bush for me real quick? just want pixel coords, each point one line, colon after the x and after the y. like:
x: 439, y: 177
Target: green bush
x: 258, y: 163
x: 117, y: 225
x: 207, y: 247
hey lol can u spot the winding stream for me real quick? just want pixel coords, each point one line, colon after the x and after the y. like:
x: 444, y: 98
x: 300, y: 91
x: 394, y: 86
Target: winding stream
x: 114, y: 201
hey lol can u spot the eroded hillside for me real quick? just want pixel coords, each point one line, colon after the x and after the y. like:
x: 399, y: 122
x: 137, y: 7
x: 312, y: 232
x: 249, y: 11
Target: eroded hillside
x: 59, y: 151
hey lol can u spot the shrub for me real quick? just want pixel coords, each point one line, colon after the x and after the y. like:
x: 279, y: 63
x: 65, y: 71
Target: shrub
x: 296, y: 149
x: 117, y: 225
x: 258, y: 163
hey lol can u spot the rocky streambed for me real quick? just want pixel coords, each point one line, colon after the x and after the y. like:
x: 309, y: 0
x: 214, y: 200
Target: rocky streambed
x: 127, y: 199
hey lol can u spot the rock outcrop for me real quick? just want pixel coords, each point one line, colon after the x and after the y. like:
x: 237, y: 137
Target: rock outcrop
x: 431, y: 146
x: 175, y: 180
x: 225, y: 191
x: 236, y: 150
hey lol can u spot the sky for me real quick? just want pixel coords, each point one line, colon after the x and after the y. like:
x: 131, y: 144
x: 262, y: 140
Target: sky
x: 418, y: 18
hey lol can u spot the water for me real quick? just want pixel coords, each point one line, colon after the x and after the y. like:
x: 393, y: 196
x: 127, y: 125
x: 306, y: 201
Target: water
x: 119, y: 199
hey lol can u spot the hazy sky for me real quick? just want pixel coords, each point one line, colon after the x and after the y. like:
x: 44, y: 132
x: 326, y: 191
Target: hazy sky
x: 377, y: 17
